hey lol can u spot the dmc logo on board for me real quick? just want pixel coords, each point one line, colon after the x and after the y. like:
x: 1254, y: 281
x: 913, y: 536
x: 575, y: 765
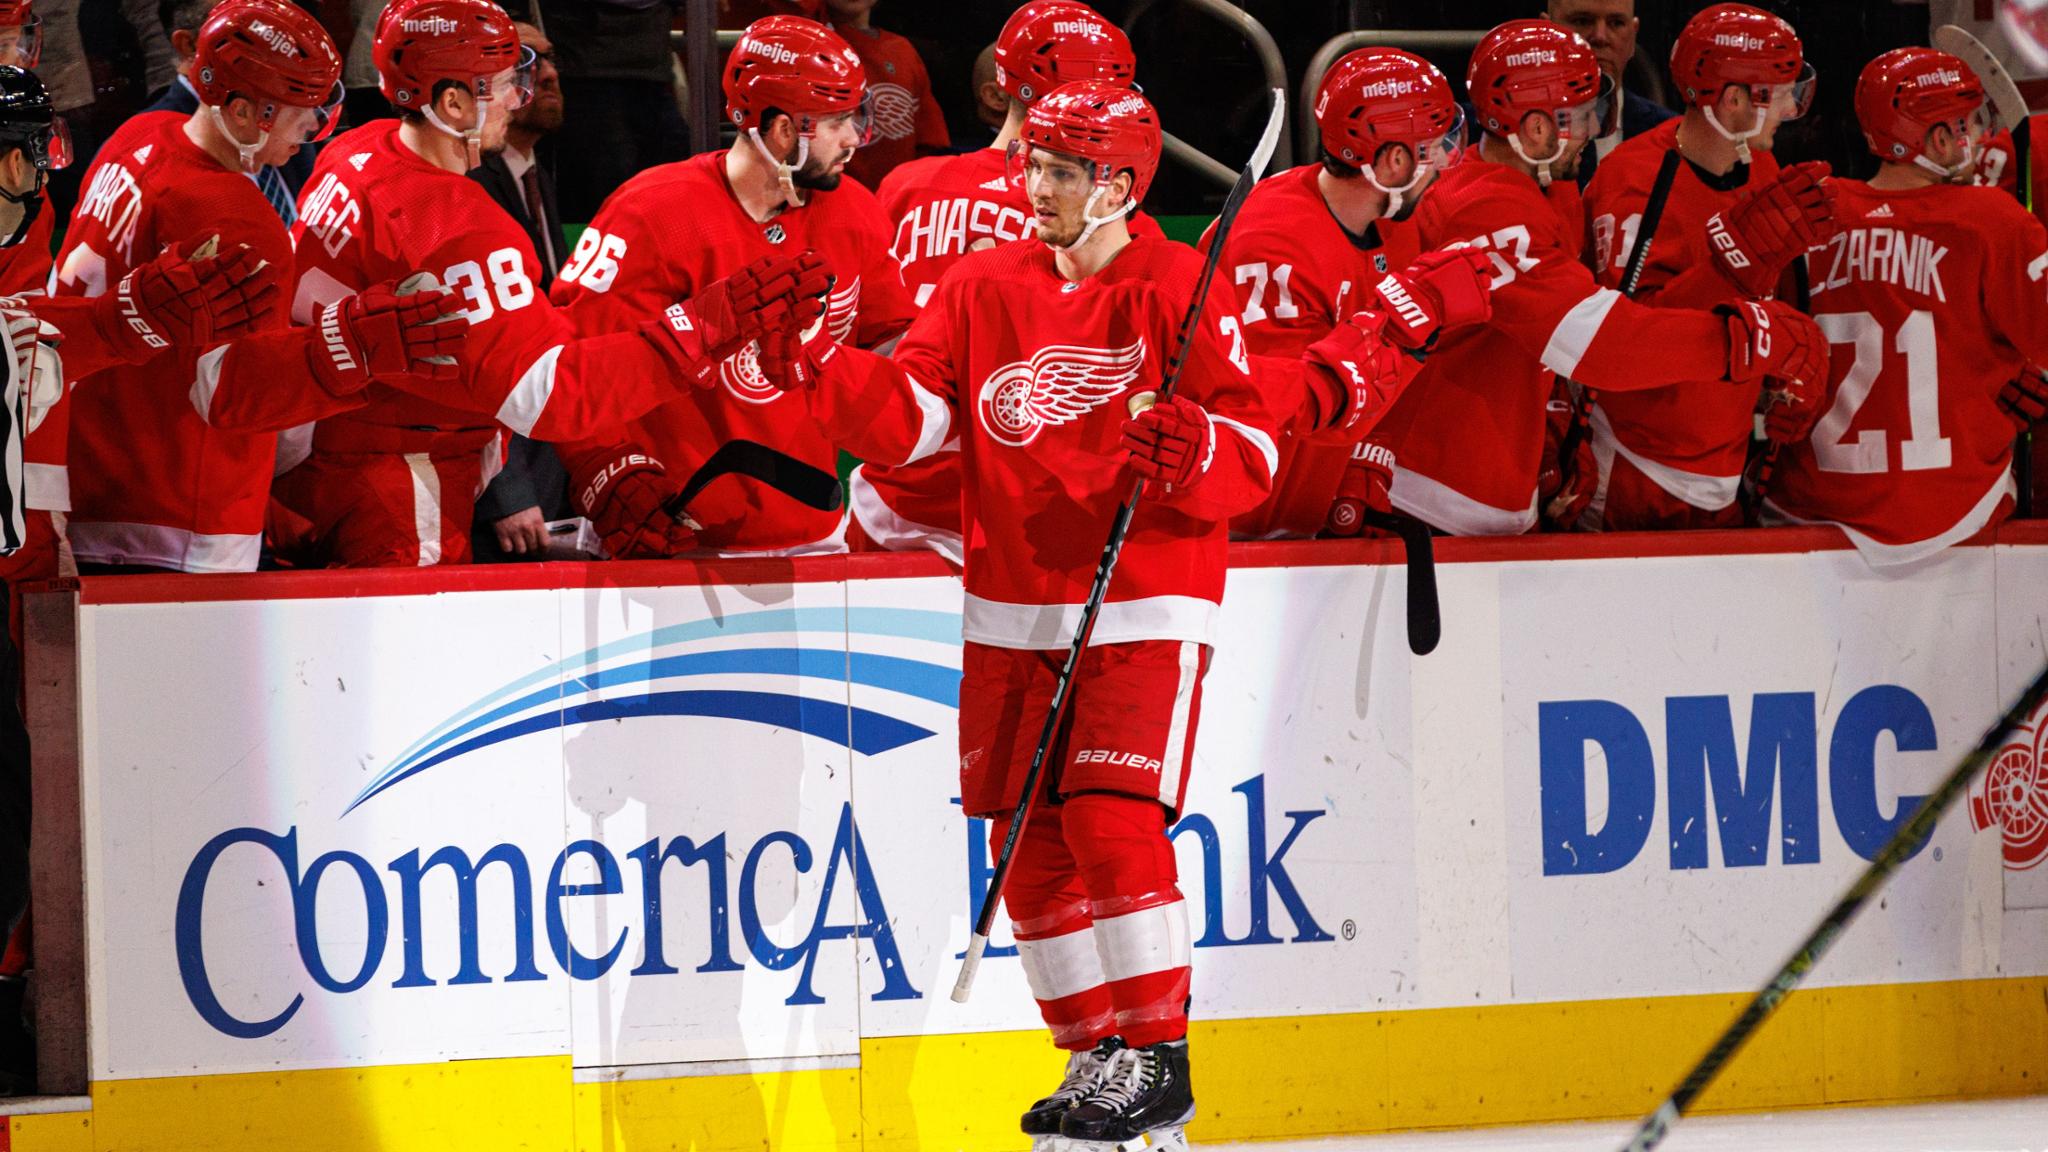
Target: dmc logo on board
x: 1769, y: 783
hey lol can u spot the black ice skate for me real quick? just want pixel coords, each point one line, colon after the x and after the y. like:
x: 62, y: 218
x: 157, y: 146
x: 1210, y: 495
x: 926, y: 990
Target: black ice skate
x: 1084, y: 1071
x: 1143, y: 1101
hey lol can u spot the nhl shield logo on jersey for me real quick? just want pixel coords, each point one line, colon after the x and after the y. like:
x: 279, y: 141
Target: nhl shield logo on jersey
x: 2013, y: 794
x: 1060, y: 383
x: 774, y: 234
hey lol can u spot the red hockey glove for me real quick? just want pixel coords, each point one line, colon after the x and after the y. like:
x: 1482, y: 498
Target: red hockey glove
x: 1440, y: 290
x: 794, y: 359
x: 769, y: 296
x: 193, y: 303
x: 626, y: 498
x: 1172, y: 442
x: 1354, y: 375
x: 1769, y: 227
x: 2025, y: 399
x: 1773, y: 338
x: 1367, y: 486
x: 380, y: 333
x: 1564, y: 499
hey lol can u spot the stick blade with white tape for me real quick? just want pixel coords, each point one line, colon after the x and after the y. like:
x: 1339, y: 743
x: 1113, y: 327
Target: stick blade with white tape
x: 1998, y: 83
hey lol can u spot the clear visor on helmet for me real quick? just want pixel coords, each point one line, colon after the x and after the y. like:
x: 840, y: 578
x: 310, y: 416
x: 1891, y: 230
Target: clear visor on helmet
x: 1443, y: 151
x: 514, y: 85
x: 1980, y: 125
x: 1588, y: 120
x: 56, y: 151
x: 1039, y: 171
x: 861, y: 119
x: 328, y: 115
x: 22, y: 44
x: 1789, y: 101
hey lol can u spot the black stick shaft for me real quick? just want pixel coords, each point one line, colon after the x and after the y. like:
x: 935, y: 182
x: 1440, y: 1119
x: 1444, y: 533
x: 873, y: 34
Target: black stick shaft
x: 1906, y: 841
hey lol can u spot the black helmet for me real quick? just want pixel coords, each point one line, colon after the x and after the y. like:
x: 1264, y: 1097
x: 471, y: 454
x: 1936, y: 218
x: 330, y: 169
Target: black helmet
x: 28, y: 120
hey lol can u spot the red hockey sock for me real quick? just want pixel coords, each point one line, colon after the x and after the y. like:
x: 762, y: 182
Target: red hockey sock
x: 1127, y: 869
x: 1055, y: 936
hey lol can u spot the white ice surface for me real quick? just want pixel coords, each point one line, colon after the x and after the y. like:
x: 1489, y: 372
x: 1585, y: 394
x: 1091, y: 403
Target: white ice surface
x: 1977, y: 1126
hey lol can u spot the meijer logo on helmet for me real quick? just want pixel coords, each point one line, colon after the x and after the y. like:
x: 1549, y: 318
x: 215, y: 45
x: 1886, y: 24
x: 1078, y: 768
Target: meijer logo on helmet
x: 1392, y: 87
x: 1076, y: 28
x: 775, y: 52
x: 431, y: 25
x: 1739, y: 42
x: 1127, y: 106
x: 1938, y: 76
x: 278, y: 40
x: 1531, y: 57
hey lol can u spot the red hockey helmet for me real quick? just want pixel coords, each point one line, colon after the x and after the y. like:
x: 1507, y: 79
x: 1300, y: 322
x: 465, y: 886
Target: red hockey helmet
x: 272, y: 53
x: 420, y: 43
x: 1379, y: 96
x: 21, y: 34
x: 1526, y: 67
x: 1737, y: 44
x: 1902, y: 95
x: 1106, y: 126
x: 1047, y: 43
x: 797, y: 67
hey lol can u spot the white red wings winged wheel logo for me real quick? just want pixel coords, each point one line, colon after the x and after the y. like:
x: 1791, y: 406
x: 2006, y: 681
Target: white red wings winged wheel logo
x: 1060, y: 383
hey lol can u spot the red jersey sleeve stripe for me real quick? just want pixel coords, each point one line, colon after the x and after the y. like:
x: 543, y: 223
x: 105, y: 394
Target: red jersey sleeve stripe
x: 1576, y: 332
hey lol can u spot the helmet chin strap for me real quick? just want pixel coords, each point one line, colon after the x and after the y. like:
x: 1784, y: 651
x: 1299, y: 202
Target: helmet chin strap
x: 1543, y: 165
x: 472, y: 138
x: 1739, y: 139
x: 1094, y: 221
x: 785, y: 174
x: 245, y: 154
x: 31, y: 203
x: 1397, y: 196
x: 1962, y: 172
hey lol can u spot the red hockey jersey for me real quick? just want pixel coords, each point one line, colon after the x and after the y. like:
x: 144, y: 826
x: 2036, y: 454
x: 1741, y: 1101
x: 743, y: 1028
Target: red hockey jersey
x: 908, y: 121
x: 1932, y: 299
x: 373, y: 211
x: 1468, y: 433
x: 110, y: 190
x: 943, y: 207
x: 667, y: 233
x: 1690, y: 439
x: 1034, y: 375
x: 1997, y: 166
x: 153, y: 483
x: 1298, y: 274
x: 25, y: 268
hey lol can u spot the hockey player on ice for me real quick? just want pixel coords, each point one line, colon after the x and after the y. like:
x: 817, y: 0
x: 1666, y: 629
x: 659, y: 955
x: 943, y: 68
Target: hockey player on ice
x: 1935, y: 297
x: 799, y: 98
x: 1318, y: 257
x: 1042, y: 356
x: 1468, y: 434
x: 944, y: 207
x: 1731, y: 226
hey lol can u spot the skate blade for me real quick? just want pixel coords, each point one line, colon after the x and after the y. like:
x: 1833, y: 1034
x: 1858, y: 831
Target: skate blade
x: 1052, y: 1143
x: 1172, y: 1138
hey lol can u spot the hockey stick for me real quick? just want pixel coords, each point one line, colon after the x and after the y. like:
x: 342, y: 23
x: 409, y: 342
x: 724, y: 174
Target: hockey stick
x: 1425, y: 616
x: 984, y: 922
x: 809, y: 486
x: 1631, y: 276
x: 1910, y: 837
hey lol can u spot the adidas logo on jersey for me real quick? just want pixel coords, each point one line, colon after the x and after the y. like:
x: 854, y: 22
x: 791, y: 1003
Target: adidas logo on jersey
x: 1881, y: 212
x: 1076, y: 28
x: 359, y: 159
x: 775, y: 52
x: 1390, y: 88
x: 1739, y: 42
x: 142, y: 153
x: 431, y: 26
x: 999, y: 184
x: 1531, y: 58
x: 1942, y: 76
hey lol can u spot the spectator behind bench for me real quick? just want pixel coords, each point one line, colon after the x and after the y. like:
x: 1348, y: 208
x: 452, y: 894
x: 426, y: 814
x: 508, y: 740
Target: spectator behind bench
x: 908, y: 122
x: 618, y: 95
x: 1610, y: 26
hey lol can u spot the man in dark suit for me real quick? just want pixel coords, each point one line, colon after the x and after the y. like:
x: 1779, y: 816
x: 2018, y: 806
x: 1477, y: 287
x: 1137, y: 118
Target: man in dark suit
x: 1610, y: 26
x: 181, y: 20
x: 512, y: 514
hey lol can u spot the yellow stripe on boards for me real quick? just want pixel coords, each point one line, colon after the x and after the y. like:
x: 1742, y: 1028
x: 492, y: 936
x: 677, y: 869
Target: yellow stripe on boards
x: 1302, y: 1076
